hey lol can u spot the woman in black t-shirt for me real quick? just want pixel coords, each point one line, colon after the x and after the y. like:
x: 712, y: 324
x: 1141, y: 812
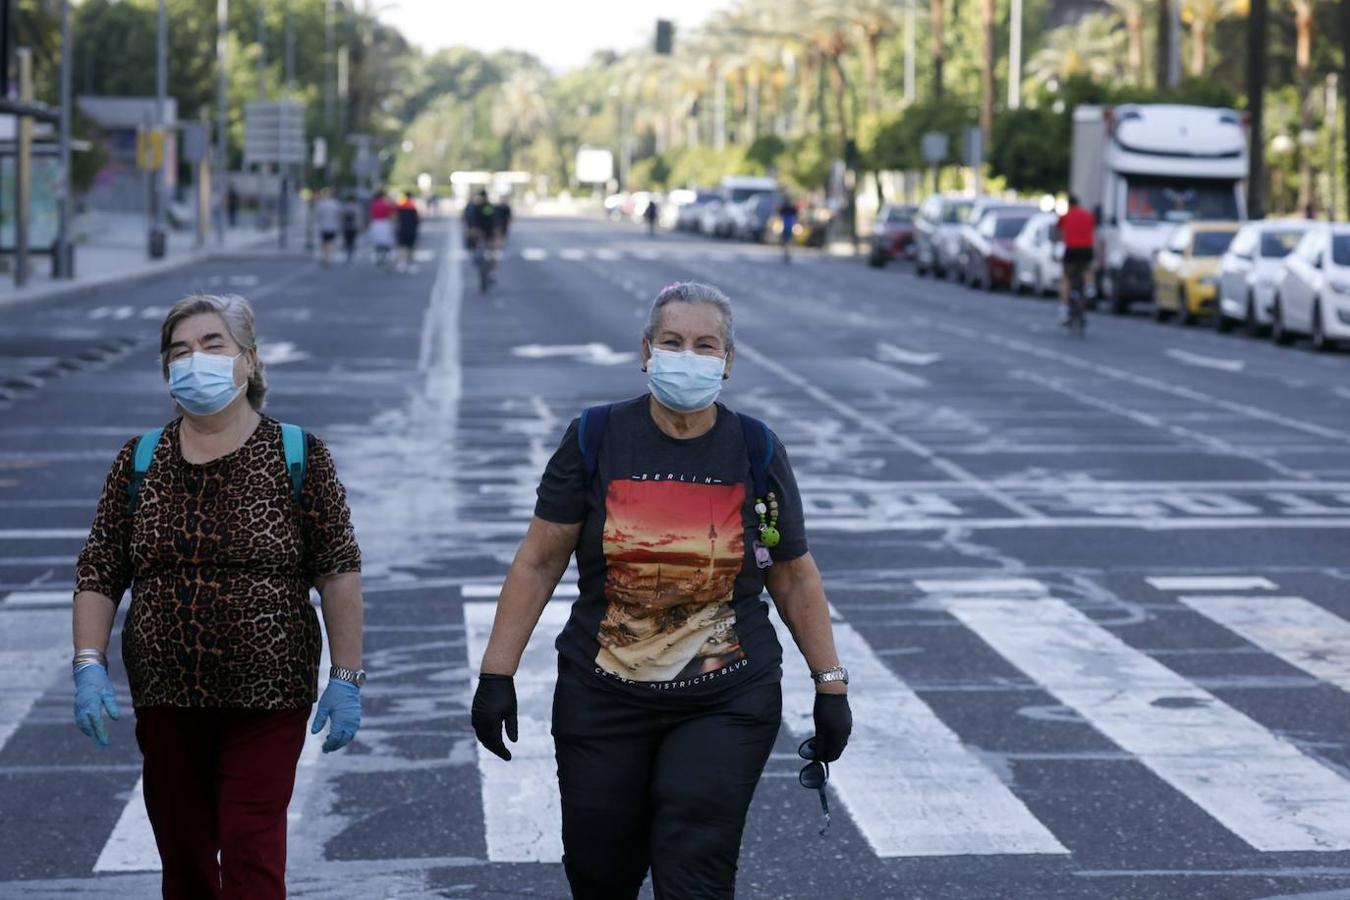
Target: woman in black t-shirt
x: 668, y: 701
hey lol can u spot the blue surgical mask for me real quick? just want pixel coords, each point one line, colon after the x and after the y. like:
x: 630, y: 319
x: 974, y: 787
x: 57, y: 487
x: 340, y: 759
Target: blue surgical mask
x: 686, y: 381
x: 203, y: 383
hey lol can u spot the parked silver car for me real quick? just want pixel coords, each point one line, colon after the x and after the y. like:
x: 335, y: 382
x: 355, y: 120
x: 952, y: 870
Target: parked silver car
x: 1038, y: 256
x: 1250, y: 272
x: 937, y: 232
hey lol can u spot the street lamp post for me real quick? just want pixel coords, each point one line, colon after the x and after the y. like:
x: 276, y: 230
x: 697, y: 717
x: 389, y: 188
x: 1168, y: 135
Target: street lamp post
x: 222, y: 116
x: 64, y: 264
x: 158, y: 178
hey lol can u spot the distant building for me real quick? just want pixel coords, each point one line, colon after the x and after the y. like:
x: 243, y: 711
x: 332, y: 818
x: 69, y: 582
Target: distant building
x: 119, y: 185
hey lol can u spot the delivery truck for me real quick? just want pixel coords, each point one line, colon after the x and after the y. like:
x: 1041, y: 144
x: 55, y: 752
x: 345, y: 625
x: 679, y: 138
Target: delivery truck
x: 1143, y: 169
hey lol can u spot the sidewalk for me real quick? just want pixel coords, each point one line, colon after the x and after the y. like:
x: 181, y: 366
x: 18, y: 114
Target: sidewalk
x: 111, y: 248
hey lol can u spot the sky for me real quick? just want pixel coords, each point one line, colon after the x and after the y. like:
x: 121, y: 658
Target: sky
x: 562, y: 33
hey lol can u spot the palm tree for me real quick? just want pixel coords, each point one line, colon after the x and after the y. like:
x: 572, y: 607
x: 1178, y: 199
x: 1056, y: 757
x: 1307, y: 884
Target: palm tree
x: 990, y: 59
x: 1303, y: 27
x: 1091, y: 46
x: 875, y: 20
x: 938, y: 48
x: 1131, y: 13
x: 1201, y: 16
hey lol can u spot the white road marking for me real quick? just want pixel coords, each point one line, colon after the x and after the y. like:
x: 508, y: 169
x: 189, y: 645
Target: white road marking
x: 279, y: 353
x: 909, y: 784
x: 572, y: 254
x: 898, y: 374
x: 39, y: 598
x: 1003, y: 586
x: 1206, y: 362
x: 1211, y: 583
x: 871, y: 424
x: 1157, y: 384
x: 43, y: 534
x: 1296, y: 630
x: 493, y: 591
x: 1263, y: 789
x: 594, y: 353
x: 131, y: 846
x: 34, y: 654
x: 891, y: 353
x: 534, y: 254
x: 522, y: 813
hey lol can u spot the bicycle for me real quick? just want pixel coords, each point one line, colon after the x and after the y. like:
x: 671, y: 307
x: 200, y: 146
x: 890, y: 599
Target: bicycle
x: 1077, y: 321
x: 485, y: 261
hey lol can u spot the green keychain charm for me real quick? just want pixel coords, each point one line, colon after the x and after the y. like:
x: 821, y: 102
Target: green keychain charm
x: 768, y: 527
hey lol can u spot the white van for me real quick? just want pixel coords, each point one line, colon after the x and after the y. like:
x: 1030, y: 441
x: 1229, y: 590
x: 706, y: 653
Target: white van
x: 736, y: 188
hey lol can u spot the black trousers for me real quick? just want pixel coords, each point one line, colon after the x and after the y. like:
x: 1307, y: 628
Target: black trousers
x: 655, y: 785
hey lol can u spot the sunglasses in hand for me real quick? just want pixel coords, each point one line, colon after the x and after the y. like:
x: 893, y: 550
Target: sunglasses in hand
x: 813, y: 776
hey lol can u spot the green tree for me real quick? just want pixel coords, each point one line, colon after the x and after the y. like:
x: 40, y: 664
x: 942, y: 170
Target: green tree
x: 1030, y: 150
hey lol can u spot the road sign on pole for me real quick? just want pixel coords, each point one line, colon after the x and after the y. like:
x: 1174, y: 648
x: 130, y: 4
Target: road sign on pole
x: 933, y: 146
x: 274, y: 132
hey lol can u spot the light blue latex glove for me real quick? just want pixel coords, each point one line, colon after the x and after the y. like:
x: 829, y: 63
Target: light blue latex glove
x: 93, y: 695
x: 340, y: 705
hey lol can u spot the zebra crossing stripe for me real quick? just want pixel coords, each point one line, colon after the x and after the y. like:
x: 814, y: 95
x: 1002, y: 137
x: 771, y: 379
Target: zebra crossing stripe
x: 1211, y: 583
x: 522, y: 813
x: 909, y: 784
x: 39, y: 598
x: 1001, y: 586
x: 131, y: 846
x: 1261, y: 788
x: 1296, y: 630
x: 34, y: 653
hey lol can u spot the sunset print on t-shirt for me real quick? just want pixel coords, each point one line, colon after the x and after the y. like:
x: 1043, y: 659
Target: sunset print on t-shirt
x: 673, y: 551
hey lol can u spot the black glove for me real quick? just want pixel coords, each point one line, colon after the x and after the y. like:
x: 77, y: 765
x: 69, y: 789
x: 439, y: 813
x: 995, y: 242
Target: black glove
x: 834, y: 723
x: 494, y: 703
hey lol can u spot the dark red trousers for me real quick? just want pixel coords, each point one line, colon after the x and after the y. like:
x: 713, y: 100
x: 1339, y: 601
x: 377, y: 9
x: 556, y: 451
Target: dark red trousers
x: 217, y: 784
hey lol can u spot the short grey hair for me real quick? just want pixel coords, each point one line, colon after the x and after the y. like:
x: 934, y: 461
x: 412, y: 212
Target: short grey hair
x: 237, y: 314
x: 692, y: 292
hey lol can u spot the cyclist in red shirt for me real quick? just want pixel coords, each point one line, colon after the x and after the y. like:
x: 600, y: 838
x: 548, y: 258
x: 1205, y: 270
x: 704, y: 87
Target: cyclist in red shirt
x: 1077, y: 228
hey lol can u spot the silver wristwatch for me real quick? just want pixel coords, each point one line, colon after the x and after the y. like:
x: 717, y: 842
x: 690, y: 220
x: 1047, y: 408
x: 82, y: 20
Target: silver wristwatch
x: 341, y: 674
x: 838, y: 673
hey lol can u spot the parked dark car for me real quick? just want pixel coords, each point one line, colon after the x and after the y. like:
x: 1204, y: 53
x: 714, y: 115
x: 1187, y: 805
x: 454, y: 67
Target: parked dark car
x: 893, y: 235
x: 989, y: 247
x: 983, y: 207
x: 752, y: 216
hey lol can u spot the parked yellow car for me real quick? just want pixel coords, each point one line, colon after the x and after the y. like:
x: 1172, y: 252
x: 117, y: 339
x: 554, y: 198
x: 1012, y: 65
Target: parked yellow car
x: 1186, y: 270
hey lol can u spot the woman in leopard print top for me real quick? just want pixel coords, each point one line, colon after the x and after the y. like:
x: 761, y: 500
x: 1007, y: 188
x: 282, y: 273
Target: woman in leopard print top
x: 221, y: 643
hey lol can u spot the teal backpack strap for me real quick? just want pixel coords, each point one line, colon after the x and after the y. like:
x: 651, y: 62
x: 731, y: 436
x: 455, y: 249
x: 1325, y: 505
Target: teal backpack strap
x: 590, y: 435
x: 759, y: 447
x: 140, y: 464
x: 293, y: 441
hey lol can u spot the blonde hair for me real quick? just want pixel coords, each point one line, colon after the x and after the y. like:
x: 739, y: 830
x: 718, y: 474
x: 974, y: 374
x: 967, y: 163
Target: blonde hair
x: 237, y: 315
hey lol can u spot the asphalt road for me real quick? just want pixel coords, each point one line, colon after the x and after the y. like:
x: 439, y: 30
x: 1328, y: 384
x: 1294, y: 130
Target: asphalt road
x: 1092, y: 591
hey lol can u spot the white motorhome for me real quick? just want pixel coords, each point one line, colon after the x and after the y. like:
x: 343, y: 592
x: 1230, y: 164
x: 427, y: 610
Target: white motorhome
x: 1143, y: 168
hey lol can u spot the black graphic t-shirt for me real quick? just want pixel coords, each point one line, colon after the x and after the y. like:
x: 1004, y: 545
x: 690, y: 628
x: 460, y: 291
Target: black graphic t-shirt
x: 669, y: 591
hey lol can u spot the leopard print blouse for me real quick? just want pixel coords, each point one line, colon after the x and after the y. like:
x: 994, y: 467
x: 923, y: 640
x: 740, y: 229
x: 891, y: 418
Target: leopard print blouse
x: 220, y: 559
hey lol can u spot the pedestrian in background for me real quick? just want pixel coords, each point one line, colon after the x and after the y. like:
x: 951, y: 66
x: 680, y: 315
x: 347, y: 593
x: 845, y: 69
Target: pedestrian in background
x: 381, y: 228
x: 220, y: 523
x: 351, y: 226
x: 787, y: 219
x: 328, y: 216
x: 649, y: 214
x: 231, y: 206
x: 668, y: 700
x: 408, y: 221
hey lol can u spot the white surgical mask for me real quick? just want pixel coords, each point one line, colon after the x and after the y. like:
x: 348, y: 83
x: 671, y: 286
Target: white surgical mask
x: 685, y: 381
x: 203, y: 383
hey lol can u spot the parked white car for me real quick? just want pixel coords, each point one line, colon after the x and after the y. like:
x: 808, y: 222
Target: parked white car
x: 1250, y: 271
x: 1314, y: 293
x: 1037, y: 263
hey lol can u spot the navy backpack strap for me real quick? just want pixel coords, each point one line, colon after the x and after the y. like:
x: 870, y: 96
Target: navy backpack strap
x: 759, y: 447
x: 293, y: 442
x: 590, y: 435
x: 140, y: 464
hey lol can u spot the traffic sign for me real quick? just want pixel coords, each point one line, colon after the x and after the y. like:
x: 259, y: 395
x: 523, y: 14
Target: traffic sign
x: 933, y: 146
x: 274, y: 132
